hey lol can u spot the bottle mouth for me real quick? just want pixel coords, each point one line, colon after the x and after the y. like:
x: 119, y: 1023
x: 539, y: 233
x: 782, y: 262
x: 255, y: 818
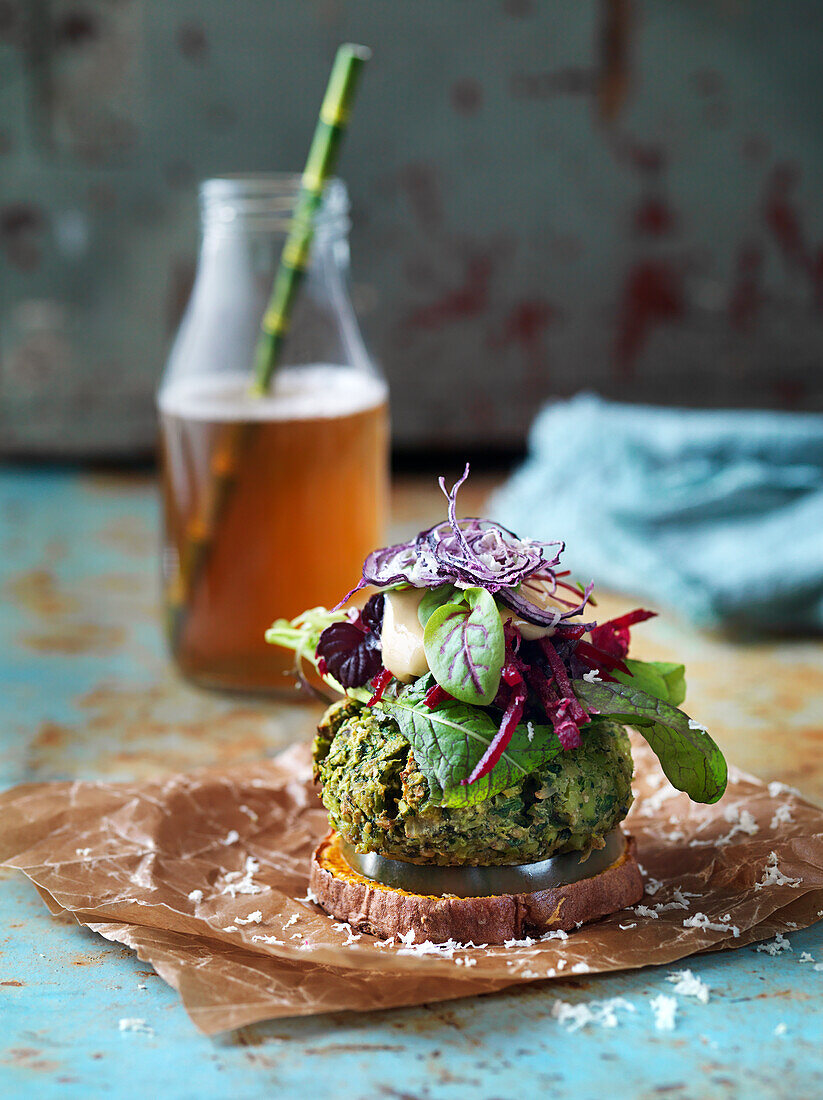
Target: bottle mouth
x: 265, y: 201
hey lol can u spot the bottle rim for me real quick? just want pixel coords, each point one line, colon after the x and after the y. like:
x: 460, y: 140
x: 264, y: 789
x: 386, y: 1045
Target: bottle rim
x: 265, y: 201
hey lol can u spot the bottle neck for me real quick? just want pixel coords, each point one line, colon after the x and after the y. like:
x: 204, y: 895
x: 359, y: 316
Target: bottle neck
x: 245, y: 222
x: 262, y: 205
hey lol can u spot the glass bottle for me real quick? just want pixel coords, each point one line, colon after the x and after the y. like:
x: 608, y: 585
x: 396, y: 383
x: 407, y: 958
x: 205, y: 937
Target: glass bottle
x: 270, y: 504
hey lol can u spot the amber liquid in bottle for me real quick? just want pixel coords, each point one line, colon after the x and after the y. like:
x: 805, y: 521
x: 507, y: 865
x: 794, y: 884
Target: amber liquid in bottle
x: 304, y: 506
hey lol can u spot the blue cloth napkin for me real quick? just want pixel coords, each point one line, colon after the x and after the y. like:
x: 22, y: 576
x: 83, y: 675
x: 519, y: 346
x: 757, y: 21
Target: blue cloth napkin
x: 717, y: 514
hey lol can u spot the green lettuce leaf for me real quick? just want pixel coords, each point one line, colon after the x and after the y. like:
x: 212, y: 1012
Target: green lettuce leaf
x: 662, y: 679
x: 689, y: 757
x: 301, y: 635
x: 434, y: 598
x: 465, y: 647
x: 448, y: 742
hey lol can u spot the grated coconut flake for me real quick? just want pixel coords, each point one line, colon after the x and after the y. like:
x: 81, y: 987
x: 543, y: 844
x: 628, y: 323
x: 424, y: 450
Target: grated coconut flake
x: 776, y: 789
x: 665, y: 1011
x: 776, y: 946
x: 253, y: 918
x: 700, y: 920
x: 573, y: 1017
x: 688, y: 984
x: 781, y: 816
x: 773, y: 876
x: 135, y: 1024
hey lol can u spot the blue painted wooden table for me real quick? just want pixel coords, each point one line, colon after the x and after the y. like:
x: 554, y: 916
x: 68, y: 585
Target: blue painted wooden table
x: 87, y: 691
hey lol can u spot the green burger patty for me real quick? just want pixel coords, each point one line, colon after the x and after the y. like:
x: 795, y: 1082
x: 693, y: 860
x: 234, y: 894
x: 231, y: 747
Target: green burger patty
x: 376, y: 797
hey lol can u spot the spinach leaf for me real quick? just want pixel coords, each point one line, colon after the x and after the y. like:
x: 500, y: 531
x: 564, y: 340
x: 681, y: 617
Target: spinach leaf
x: 465, y: 647
x: 448, y: 742
x: 691, y: 760
x: 662, y: 679
x: 434, y: 598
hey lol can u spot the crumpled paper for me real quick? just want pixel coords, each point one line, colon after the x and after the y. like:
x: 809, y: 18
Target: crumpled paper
x: 205, y: 876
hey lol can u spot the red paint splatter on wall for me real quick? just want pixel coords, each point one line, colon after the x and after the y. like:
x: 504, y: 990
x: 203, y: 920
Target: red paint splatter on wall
x: 76, y: 28
x: 782, y: 217
x: 653, y: 291
x: 527, y: 322
x: 653, y: 294
x: 654, y: 217
x: 468, y: 300
x: 648, y: 160
x: 192, y: 41
x: 467, y: 96
x: 606, y: 82
x: 614, y: 69
x: 525, y: 327
x: 746, y: 295
x: 419, y: 181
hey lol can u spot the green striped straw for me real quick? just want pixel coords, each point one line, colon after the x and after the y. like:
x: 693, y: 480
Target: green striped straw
x: 325, y: 147
x: 231, y: 446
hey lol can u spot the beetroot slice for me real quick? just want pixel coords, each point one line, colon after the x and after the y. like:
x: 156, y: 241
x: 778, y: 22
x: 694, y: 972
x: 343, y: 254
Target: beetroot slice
x: 436, y: 696
x: 572, y: 706
x: 379, y: 683
x: 497, y: 746
x: 613, y: 637
x: 599, y: 659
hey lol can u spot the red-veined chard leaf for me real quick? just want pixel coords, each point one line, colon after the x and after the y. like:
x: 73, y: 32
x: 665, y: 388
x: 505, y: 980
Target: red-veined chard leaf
x: 449, y: 742
x: 434, y: 598
x: 465, y: 647
x: 689, y: 757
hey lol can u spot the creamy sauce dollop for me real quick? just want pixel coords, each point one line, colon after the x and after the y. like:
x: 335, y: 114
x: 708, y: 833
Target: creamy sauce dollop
x: 401, y: 636
x: 538, y: 592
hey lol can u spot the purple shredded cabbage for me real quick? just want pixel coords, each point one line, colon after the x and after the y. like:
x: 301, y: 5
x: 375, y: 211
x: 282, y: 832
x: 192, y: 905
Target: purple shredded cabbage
x: 470, y: 553
x: 543, y: 616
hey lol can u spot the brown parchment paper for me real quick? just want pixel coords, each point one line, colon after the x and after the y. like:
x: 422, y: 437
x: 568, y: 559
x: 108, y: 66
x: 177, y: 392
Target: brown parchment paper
x: 205, y: 876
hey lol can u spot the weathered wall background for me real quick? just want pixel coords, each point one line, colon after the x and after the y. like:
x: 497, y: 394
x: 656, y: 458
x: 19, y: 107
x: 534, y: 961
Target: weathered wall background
x: 547, y: 196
